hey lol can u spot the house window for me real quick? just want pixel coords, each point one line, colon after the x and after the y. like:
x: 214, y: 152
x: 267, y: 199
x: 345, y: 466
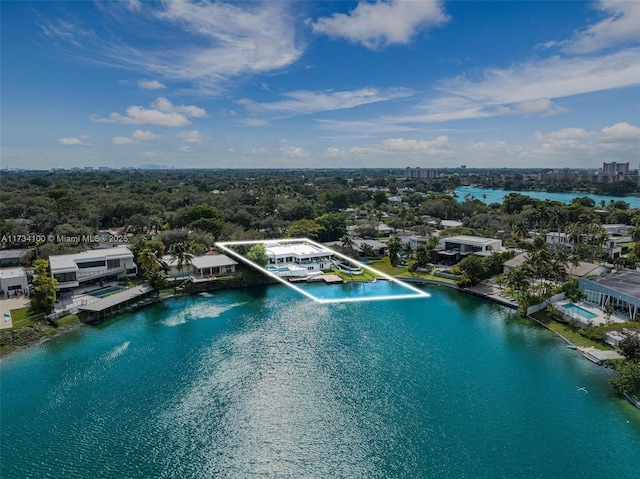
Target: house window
x: 65, y: 277
x: 113, y: 263
x: 92, y: 264
x: 592, y: 296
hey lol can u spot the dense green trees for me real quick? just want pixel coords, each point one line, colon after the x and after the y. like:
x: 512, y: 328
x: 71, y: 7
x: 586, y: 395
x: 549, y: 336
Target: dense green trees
x: 44, y: 297
x: 258, y: 255
x: 627, y: 378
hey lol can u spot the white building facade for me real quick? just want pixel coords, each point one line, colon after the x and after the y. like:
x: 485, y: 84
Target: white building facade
x: 301, y: 255
x: 105, y: 264
x: 13, y: 282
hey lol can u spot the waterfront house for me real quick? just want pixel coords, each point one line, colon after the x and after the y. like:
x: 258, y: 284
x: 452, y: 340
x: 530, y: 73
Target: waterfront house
x: 582, y: 270
x: 615, y: 246
x: 93, y: 266
x: 204, y: 266
x: 299, y: 254
x: 13, y: 282
x: 455, y: 248
x: 619, y: 289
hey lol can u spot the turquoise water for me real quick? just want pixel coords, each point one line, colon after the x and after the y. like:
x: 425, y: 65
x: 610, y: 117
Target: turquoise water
x: 580, y: 311
x: 263, y: 383
x: 497, y: 196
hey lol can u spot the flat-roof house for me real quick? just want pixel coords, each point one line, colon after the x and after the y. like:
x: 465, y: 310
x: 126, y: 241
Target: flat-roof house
x: 311, y: 257
x: 455, y: 248
x: 614, y: 246
x: 13, y: 282
x: 205, y: 266
x: 379, y: 248
x: 73, y: 270
x: 620, y: 289
x: 11, y: 257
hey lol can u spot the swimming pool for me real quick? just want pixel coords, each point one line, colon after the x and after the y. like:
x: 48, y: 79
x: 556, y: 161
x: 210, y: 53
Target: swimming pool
x: 100, y: 293
x: 580, y: 311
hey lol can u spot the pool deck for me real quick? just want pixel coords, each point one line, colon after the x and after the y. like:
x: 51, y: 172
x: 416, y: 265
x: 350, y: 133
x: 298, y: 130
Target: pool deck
x: 599, y: 319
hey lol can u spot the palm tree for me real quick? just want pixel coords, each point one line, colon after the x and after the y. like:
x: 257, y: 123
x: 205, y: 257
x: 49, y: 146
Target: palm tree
x: 367, y: 250
x: 394, y: 245
x: 574, y: 260
x: 346, y: 242
x: 575, y: 233
x: 520, y: 230
x: 407, y: 249
x: 559, y: 265
x: 180, y: 252
x: 597, y: 238
x: 148, y: 260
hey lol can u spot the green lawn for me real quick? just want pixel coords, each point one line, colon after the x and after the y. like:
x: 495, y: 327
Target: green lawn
x: 366, y: 276
x: 384, y: 265
x: 572, y: 334
x: 22, y: 317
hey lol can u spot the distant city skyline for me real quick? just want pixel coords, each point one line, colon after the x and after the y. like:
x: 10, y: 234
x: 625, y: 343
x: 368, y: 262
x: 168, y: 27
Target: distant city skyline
x: 320, y: 84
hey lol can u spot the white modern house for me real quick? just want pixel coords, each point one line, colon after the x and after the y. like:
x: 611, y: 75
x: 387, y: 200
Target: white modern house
x: 13, y: 282
x: 206, y: 266
x: 302, y: 255
x: 471, y: 244
x: 455, y: 248
x: 88, y: 267
x: 614, y: 246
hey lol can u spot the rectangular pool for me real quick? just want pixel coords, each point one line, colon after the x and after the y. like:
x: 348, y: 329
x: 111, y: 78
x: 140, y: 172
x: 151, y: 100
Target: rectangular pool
x: 100, y: 293
x: 580, y: 311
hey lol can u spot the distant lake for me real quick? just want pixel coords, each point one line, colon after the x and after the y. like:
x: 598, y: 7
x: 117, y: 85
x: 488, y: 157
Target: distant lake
x: 497, y: 196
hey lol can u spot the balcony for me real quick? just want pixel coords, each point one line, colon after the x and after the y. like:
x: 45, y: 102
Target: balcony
x: 87, y: 275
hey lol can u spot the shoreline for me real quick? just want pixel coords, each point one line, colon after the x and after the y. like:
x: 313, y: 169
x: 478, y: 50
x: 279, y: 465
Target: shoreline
x: 46, y: 335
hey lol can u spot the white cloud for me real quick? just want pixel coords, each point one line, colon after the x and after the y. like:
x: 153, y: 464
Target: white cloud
x: 166, y: 106
x: 124, y: 140
x: 360, y: 126
x: 192, y: 136
x: 527, y: 88
x: 377, y: 25
x: 305, y: 102
x: 621, y: 25
x: 390, y: 149
x: 164, y: 113
x: 571, y: 134
x: 620, y: 132
x: 294, y: 152
x: 217, y: 40
x: 618, y: 142
x: 145, y: 135
x: 72, y: 141
x: 422, y: 146
x: 258, y: 151
x: 151, y: 85
x: 539, y: 106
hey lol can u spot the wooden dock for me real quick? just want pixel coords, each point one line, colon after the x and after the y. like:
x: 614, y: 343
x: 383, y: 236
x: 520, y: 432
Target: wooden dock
x: 327, y: 278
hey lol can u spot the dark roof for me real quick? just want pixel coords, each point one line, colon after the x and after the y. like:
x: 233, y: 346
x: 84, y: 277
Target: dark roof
x: 12, y: 253
x: 118, y: 298
x: 623, y: 281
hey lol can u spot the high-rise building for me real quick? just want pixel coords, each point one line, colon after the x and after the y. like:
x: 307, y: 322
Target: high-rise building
x: 616, y: 169
x: 429, y: 173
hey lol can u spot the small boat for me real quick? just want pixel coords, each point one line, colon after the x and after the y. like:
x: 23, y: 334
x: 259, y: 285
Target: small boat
x: 571, y: 346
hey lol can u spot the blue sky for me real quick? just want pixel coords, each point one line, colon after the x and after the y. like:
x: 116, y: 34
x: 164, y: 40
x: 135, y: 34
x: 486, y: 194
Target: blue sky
x: 320, y: 84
